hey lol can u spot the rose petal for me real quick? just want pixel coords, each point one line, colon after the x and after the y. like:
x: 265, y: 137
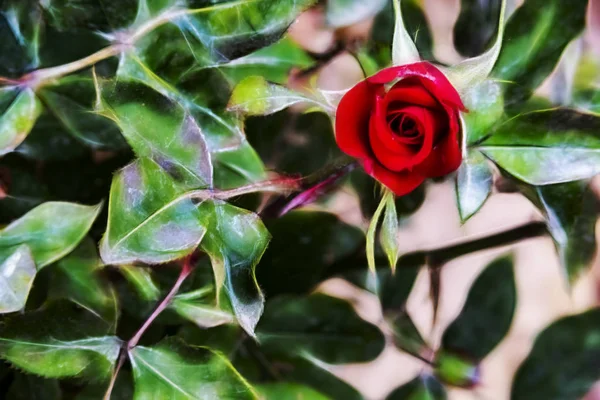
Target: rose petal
x: 410, y: 91
x: 432, y: 78
x: 447, y: 154
x: 400, y: 183
x: 352, y: 120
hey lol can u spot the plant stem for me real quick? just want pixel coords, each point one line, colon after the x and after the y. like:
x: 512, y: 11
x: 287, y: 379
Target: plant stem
x: 113, y: 378
x: 185, y: 272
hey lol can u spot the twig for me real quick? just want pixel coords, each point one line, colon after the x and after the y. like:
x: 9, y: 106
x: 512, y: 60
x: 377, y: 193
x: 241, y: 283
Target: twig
x: 113, y: 379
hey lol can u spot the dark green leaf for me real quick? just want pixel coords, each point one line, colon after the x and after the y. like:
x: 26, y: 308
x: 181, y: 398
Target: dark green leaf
x: 487, y: 314
x: 318, y: 327
x: 17, y: 272
x: 395, y: 287
x: 60, y: 341
x: 341, y: 13
x: 20, y: 28
x: 547, y: 147
x: 563, y: 363
x: 22, y: 187
x: 473, y: 184
x: 29, y: 387
x: 535, y: 37
x: 173, y: 370
x: 94, y: 15
x: 288, y: 391
x: 476, y: 25
x: 423, y: 387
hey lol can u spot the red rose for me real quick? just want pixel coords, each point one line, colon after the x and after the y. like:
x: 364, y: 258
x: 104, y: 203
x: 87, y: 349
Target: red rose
x: 402, y: 124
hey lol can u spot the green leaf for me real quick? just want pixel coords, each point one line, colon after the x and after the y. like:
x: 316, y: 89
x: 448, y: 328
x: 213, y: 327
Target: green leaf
x: 24, y: 191
x: 197, y: 306
x: 389, y: 232
x: 235, y: 241
x: 473, y: 184
x: 457, y: 370
x: 318, y: 327
x: 51, y: 230
x: 476, y: 24
x: 288, y: 391
x: 58, y: 342
x: 563, y: 361
x: 307, y: 243
x: 370, y: 246
x: 341, y: 13
x: 148, y: 218
x: 19, y: 111
x: 94, y: 15
x: 404, y: 50
x: 393, y: 288
x: 255, y: 96
x: 173, y: 370
x: 20, y: 28
x: 423, y: 387
x: 29, y: 387
x: 547, y: 147
x: 587, y: 100
x: 78, y: 277
x: 141, y: 279
x: 536, y: 35
x: 571, y: 212
x: 487, y: 314
x: 17, y: 272
x: 485, y: 102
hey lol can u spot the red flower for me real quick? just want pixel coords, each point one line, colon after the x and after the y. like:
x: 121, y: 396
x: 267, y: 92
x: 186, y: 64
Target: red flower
x: 402, y: 124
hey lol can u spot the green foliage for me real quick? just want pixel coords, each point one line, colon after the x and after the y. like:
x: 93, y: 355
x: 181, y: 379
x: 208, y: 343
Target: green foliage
x: 421, y: 388
x: 476, y: 24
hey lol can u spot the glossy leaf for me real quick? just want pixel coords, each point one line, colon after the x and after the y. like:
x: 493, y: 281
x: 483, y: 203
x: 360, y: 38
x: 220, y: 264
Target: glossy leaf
x: 536, y: 35
x: 473, y: 184
x: 563, y: 361
x: 404, y: 50
x: 487, y: 314
x: 175, y: 371
x: 341, y: 13
x: 288, y: 391
x: 476, y: 24
x: 319, y: 327
x: 19, y: 111
x: 423, y: 387
x: 148, y: 219
x: 235, y: 241
x: 58, y: 342
x: 547, y: 147
x: 51, y: 231
x: 17, y: 272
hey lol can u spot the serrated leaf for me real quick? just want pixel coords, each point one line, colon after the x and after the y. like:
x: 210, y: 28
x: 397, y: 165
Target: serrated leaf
x: 473, y: 184
x: 288, y: 391
x: 77, y: 277
x: 389, y: 232
x: 487, y: 314
x: 58, y: 342
x: 17, y: 272
x: 547, y: 147
x: 536, y: 35
x: 51, y: 230
x: 235, y: 241
x: 423, y: 387
x: 318, y: 327
x: 175, y: 371
x: 563, y: 361
x: 476, y: 24
x: 404, y: 50
x: 341, y: 13
x: 20, y: 110
x: 148, y: 218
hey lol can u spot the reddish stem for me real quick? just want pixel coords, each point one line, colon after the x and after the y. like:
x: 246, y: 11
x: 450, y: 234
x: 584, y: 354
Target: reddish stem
x: 113, y: 378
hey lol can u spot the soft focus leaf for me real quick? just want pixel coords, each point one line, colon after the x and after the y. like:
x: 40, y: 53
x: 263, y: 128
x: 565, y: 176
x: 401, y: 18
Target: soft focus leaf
x: 18, y: 112
x: 288, y: 391
x: 29, y: 387
x: 587, y: 100
x: 173, y: 370
x: 473, y: 184
x: 423, y: 387
x: 341, y: 13
x: 536, y: 35
x: 487, y: 314
x: 477, y: 22
x: 457, y: 370
x: 563, y: 363
x: 59, y: 341
x: 404, y: 50
x: 547, y: 147
x: 395, y: 287
x: 51, y: 230
x: 235, y: 241
x: 17, y: 272
x: 319, y: 327
x: 148, y: 219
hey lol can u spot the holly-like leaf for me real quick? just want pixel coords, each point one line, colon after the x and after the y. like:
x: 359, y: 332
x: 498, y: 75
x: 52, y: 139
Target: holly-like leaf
x: 563, y: 361
x: 288, y: 391
x: 318, y: 327
x: 473, y: 184
x: 173, y: 370
x: 536, y: 35
x: 60, y: 341
x: 424, y: 387
x: 487, y: 314
x: 17, y: 272
x: 341, y: 13
x: 77, y: 277
x: 477, y: 22
x: 235, y: 241
x: 148, y: 218
x: 547, y: 147
x: 19, y: 109
x: 51, y: 231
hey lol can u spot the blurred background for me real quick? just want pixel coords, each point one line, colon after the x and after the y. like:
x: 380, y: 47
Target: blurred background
x: 542, y: 292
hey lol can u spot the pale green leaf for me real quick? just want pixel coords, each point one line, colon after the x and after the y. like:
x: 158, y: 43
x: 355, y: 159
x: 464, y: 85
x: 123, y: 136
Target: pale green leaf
x: 198, y: 307
x: 404, y: 50
x: 389, y: 232
x: 473, y: 184
x: 348, y: 12
x: 370, y: 247
x: 17, y: 119
x: 16, y: 277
